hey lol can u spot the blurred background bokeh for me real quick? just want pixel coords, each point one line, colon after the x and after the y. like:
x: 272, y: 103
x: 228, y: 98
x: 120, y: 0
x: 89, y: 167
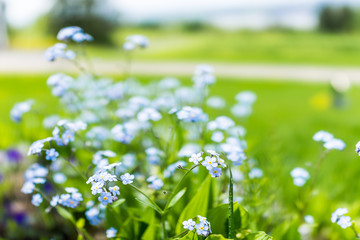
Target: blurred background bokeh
x: 302, y: 59
x: 278, y: 31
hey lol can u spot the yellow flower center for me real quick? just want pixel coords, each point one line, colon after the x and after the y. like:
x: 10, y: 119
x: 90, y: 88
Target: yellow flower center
x: 71, y: 202
x: 105, y: 198
x: 201, y: 228
x: 215, y: 171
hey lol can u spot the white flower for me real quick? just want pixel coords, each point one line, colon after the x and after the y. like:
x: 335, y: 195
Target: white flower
x: 338, y: 213
x: 155, y: 182
x: 196, y: 158
x: 300, y: 172
x: 188, y: 149
x: 98, y: 156
x: 192, y: 114
x: 59, y: 178
x: 240, y: 110
x: 127, y: 178
x: 71, y: 190
x: 189, y: 224
x: 255, y: 173
x: 73, y: 126
x: 322, y: 136
x: 344, y: 221
x: 134, y: 41
x: 335, y: 144
x: 19, y: 109
x: 237, y: 131
x: 216, y: 102
x: 213, y: 153
x: 357, y: 148
x: 35, y: 147
x: 309, y: 219
x: 204, y: 76
x: 300, y: 176
x: 28, y: 187
x: 111, y: 166
x: 169, y: 83
x: 123, y: 133
x: 59, y: 51
x: 148, y: 114
x: 210, y: 162
x: 217, y: 136
x: 66, y: 33
x: 246, y: 97
x: 222, y: 123
x: 111, y: 232
x: 55, y: 200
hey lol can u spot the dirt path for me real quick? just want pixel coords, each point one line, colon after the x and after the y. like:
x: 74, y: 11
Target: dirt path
x: 33, y: 62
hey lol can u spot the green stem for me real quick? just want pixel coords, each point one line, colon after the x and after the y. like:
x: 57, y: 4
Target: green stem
x: 231, y: 206
x: 313, y: 183
x: 85, y: 234
x: 317, y: 168
x: 145, y: 195
x: 353, y: 227
x: 77, y: 170
x: 87, y: 58
x: 163, y: 226
x: 43, y: 194
x: 78, y: 66
x: 178, y: 185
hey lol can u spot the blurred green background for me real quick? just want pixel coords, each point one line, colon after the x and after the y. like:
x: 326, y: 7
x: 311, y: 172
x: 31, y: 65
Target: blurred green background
x: 286, y: 115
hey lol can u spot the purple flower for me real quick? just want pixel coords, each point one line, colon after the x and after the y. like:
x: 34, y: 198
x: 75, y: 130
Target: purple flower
x: 14, y: 155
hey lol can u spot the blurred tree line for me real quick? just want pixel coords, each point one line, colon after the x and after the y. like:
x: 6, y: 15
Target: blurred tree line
x: 96, y: 17
x: 338, y: 19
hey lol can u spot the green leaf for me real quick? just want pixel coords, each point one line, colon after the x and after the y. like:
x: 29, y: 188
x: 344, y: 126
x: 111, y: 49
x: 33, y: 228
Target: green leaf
x: 287, y: 230
x: 198, y: 205
x: 148, y: 203
x: 241, y: 216
x: 65, y: 214
x: 218, y: 218
x: 128, y: 228
x: 80, y: 223
x: 216, y: 237
x: 152, y: 230
x: 112, y: 219
x: 258, y: 236
x: 176, y: 198
x: 180, y: 235
x: 117, y: 203
x: 189, y: 236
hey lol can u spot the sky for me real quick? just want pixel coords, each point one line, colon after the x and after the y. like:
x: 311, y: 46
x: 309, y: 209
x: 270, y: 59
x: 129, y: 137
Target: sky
x: 254, y: 13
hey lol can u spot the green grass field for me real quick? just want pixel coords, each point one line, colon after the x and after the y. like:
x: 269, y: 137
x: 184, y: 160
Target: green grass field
x: 213, y: 45
x: 267, y: 47
x: 280, y: 132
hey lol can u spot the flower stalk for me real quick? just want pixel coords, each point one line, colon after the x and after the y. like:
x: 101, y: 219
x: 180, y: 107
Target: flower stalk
x: 231, y: 206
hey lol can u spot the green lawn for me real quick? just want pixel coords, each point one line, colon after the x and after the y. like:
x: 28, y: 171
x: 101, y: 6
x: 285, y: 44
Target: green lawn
x: 211, y: 45
x: 267, y: 47
x: 280, y: 132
